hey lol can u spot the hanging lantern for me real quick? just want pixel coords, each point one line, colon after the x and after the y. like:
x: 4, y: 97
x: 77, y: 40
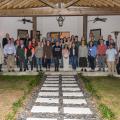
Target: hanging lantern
x: 60, y: 20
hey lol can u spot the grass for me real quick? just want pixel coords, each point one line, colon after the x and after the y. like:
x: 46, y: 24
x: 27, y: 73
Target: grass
x: 107, y: 92
x: 25, y: 84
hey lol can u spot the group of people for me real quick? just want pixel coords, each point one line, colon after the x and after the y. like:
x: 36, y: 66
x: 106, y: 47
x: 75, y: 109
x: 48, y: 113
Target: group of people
x: 62, y: 52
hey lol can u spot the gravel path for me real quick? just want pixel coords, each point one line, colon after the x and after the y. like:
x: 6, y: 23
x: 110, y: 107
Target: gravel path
x: 60, y: 98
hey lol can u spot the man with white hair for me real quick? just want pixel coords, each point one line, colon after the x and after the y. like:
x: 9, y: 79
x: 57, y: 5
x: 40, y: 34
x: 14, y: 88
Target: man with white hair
x: 10, y: 52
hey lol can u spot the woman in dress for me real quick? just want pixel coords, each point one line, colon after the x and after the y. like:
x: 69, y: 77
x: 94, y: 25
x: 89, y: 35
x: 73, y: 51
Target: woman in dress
x: 82, y: 55
x: 65, y: 53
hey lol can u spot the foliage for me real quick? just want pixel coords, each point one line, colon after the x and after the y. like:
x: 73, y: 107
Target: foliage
x: 18, y: 104
x: 106, y: 112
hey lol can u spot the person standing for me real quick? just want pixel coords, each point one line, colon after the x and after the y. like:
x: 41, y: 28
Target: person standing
x: 111, y: 57
x: 26, y: 40
x: 29, y: 53
x: 74, y: 55
x: 10, y: 52
x: 1, y: 57
x: 65, y: 53
x: 57, y: 53
x: 82, y: 55
x: 92, y: 52
x: 101, y: 55
x: 47, y: 53
x: 39, y: 56
x: 20, y: 53
x: 5, y: 40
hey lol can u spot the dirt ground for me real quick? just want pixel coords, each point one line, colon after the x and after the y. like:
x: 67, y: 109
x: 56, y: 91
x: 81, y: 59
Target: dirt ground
x: 7, y: 98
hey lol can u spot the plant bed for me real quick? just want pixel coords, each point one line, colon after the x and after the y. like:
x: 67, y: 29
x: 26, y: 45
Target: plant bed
x: 105, y: 92
x: 14, y: 91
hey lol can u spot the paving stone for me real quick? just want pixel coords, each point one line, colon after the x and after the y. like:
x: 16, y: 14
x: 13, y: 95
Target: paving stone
x: 51, y: 82
x: 69, y: 82
x: 75, y: 110
x: 41, y: 119
x: 47, y: 100
x: 68, y: 78
x: 70, y: 89
x: 73, y: 94
x: 50, y: 85
x: 72, y: 85
x: 74, y: 101
x: 48, y: 93
x: 74, y: 119
x: 44, y: 109
x: 52, y: 78
x: 65, y: 76
x: 50, y: 88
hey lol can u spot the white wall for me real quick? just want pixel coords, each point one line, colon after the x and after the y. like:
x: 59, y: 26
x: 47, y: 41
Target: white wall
x: 73, y: 24
x: 11, y: 24
x: 44, y: 24
x: 49, y: 24
x: 112, y: 24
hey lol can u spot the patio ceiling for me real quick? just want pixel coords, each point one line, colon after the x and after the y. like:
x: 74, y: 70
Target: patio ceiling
x: 56, y: 7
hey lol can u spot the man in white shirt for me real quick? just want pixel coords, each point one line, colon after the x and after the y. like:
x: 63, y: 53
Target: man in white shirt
x: 111, y: 57
x: 10, y: 52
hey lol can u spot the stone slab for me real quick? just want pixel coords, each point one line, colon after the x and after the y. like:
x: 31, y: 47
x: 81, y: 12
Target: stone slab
x: 50, y: 88
x: 75, y: 110
x: 70, y: 89
x: 41, y: 119
x: 73, y: 94
x: 44, y: 109
x: 74, y: 101
x: 47, y: 100
x: 48, y: 94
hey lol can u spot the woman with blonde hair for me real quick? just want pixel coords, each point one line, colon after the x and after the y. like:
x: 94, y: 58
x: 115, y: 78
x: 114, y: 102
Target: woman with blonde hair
x: 65, y: 53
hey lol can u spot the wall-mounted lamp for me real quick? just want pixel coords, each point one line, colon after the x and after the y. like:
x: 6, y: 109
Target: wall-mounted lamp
x: 60, y: 20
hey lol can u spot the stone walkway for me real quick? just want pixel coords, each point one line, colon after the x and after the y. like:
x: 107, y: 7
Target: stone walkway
x: 61, y: 98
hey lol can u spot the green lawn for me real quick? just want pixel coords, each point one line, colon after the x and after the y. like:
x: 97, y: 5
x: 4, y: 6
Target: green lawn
x: 13, y: 91
x: 108, y: 88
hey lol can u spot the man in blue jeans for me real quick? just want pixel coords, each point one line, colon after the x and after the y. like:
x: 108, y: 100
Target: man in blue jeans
x: 74, y: 55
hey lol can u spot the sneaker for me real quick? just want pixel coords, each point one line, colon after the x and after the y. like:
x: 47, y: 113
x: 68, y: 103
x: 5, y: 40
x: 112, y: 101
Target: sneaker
x: 103, y: 69
x: 99, y: 69
x: 82, y: 70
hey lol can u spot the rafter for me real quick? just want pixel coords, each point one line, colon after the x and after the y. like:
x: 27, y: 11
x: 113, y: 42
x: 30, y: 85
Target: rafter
x: 7, y: 4
x: 4, y: 2
x: 70, y: 3
x: 48, y: 3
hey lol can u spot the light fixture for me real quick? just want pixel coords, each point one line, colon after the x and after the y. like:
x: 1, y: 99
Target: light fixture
x: 60, y: 20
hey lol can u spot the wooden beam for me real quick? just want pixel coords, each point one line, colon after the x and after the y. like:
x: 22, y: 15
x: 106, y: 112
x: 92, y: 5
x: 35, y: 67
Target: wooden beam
x: 48, y: 3
x: 71, y: 11
x: 70, y: 3
x: 34, y: 19
x: 85, y: 23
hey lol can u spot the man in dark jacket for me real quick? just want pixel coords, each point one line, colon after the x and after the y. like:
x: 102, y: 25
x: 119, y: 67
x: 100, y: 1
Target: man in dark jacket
x: 74, y: 55
x: 5, y: 40
x: 57, y: 53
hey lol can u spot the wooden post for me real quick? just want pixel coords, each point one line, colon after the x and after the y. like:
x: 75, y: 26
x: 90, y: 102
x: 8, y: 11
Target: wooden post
x: 34, y: 26
x: 85, y: 23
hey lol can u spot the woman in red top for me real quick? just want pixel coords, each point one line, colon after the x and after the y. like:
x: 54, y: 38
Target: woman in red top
x: 29, y: 54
